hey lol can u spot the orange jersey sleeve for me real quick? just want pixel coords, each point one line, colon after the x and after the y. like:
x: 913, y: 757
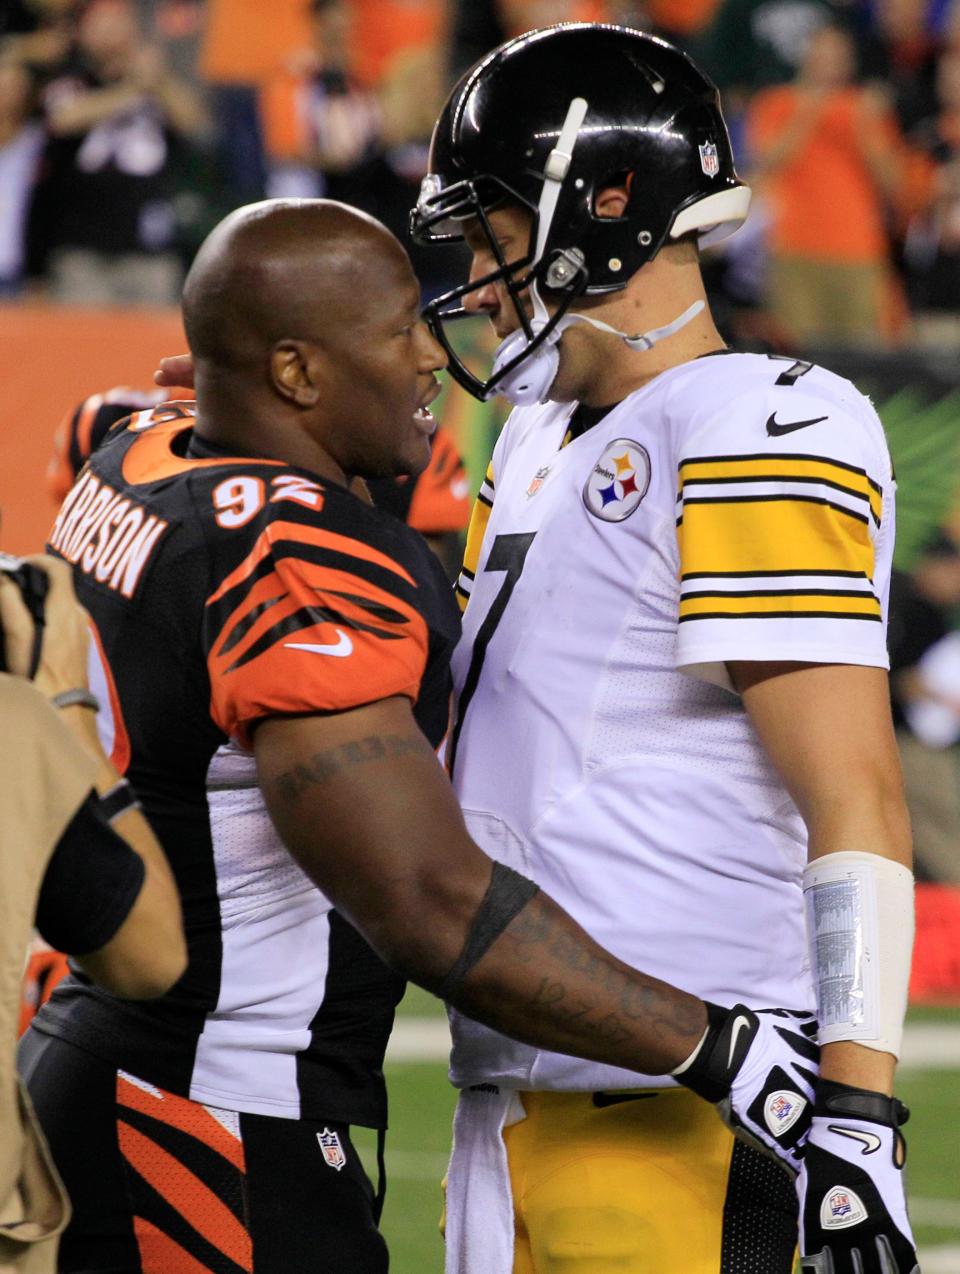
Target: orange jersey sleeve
x: 313, y: 620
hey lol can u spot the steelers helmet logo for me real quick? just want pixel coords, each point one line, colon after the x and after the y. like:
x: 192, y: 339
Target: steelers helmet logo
x: 618, y: 481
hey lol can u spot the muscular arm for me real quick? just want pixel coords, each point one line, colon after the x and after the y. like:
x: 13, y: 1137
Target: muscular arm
x: 828, y: 731
x: 148, y: 953
x: 364, y: 807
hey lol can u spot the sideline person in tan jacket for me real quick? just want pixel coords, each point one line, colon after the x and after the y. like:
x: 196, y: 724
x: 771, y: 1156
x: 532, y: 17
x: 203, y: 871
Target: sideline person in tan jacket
x: 76, y: 855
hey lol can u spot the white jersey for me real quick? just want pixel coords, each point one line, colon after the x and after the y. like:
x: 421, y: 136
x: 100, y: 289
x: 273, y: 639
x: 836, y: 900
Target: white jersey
x: 735, y: 508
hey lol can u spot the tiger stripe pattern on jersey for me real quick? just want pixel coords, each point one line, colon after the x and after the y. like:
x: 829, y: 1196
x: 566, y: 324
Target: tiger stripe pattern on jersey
x: 777, y: 536
x: 475, y: 532
x: 329, y: 592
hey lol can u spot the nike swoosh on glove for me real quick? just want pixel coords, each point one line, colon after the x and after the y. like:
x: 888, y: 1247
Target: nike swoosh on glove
x: 760, y: 1068
x: 853, y: 1210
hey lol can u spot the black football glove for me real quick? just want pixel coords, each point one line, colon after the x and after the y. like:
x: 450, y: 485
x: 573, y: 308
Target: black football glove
x: 760, y: 1068
x: 853, y: 1210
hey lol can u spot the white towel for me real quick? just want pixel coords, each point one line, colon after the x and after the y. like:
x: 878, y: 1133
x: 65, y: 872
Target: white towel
x: 479, y: 1226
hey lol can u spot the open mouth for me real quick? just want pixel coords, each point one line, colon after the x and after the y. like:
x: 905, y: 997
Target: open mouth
x: 423, y: 417
x: 425, y: 421
x: 430, y: 396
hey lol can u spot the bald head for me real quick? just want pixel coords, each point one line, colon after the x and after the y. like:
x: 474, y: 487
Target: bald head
x: 304, y: 269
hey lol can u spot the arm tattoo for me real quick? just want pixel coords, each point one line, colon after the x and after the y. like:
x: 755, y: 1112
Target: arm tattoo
x: 642, y: 1001
x: 327, y: 765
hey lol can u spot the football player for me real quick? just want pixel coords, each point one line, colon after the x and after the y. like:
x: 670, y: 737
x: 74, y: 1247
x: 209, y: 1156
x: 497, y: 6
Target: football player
x: 672, y: 700
x: 271, y: 655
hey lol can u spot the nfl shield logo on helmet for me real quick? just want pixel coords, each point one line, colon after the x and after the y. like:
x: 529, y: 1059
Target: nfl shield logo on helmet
x: 332, y: 1149
x: 709, y: 159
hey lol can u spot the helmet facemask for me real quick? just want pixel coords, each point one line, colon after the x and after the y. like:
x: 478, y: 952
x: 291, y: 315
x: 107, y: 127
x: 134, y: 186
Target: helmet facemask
x: 440, y: 217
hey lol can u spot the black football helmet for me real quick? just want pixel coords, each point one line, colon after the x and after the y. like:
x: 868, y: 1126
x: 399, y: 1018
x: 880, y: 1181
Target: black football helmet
x: 548, y: 120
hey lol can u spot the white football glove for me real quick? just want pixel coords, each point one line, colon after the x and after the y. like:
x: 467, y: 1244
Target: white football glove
x: 760, y: 1068
x: 853, y: 1211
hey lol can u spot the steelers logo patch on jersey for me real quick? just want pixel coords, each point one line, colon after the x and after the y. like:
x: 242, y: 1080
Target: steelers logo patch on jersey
x: 618, y: 481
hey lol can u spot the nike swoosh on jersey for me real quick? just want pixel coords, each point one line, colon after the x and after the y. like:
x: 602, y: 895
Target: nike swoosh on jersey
x: 870, y: 1140
x: 613, y: 1099
x: 776, y: 430
x: 738, y: 1026
x: 342, y: 647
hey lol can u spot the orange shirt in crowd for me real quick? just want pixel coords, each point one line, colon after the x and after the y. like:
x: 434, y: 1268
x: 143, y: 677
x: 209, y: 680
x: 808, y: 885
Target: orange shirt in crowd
x: 248, y: 41
x: 384, y: 28
x: 825, y: 203
x: 685, y: 17
x: 518, y: 16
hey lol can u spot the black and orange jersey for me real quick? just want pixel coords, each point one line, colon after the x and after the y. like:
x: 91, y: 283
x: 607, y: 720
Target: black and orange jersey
x: 437, y: 502
x: 224, y: 590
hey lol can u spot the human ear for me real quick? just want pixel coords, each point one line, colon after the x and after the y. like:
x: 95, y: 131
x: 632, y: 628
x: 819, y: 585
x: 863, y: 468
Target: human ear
x: 293, y: 374
x: 612, y: 201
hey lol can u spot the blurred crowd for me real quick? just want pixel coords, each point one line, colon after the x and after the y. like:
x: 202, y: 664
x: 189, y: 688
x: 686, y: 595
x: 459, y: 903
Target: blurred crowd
x: 129, y: 127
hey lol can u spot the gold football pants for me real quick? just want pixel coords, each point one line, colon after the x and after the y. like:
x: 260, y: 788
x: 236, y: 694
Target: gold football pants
x: 649, y: 1182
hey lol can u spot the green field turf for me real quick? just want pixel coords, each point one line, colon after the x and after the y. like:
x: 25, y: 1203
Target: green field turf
x: 421, y: 1105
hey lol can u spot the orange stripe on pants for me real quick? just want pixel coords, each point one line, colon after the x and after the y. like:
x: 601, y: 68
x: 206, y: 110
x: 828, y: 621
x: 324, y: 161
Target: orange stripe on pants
x: 188, y: 1195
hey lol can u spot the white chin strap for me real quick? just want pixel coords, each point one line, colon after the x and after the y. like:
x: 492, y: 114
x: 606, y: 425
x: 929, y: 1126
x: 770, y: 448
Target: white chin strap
x: 530, y: 381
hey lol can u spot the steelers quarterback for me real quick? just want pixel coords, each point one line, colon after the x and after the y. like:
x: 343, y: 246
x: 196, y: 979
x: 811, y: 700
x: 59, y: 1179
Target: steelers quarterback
x: 672, y: 694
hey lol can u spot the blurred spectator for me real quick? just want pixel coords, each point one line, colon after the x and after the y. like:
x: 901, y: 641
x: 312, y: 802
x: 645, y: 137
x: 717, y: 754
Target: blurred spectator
x: 246, y: 46
x: 179, y: 26
x: 411, y: 93
x: 925, y: 686
x: 828, y: 158
x: 385, y: 29
x: 104, y: 218
x: 21, y: 142
x: 752, y: 44
x: 37, y: 33
x: 339, y: 118
x: 332, y: 134
x: 683, y: 22
x: 477, y: 27
x: 480, y: 25
x: 932, y: 251
x: 903, y: 43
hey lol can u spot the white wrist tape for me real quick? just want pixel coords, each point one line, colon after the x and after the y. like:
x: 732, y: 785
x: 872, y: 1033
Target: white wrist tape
x: 860, y: 930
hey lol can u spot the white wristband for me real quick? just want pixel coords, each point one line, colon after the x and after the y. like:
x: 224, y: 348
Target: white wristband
x: 859, y: 911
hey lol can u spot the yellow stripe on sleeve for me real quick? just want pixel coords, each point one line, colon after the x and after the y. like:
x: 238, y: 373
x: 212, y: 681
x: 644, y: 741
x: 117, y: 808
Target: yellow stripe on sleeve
x: 784, y: 535
x: 784, y: 468
x: 820, y: 605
